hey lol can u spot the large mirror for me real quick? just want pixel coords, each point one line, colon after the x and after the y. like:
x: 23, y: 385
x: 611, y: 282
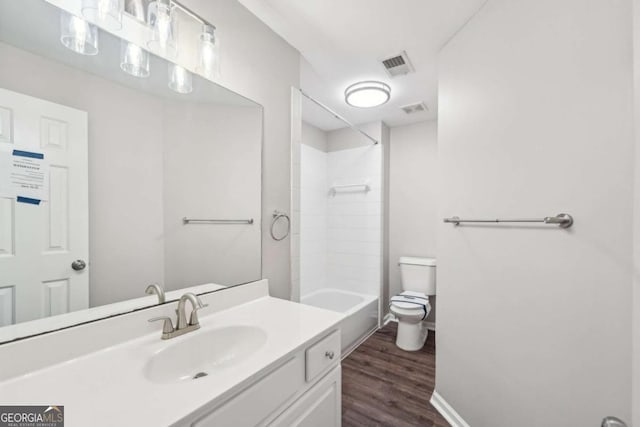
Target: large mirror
x: 117, y: 170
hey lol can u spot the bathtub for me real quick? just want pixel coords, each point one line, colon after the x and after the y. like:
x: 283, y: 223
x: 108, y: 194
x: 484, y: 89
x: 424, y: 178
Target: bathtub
x: 360, y: 313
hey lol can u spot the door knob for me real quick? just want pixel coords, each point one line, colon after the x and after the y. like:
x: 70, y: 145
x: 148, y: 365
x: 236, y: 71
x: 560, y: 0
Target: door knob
x: 78, y: 265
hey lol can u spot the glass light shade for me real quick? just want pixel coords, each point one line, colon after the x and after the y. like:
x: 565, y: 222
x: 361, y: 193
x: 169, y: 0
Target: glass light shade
x: 164, y: 28
x: 209, y: 56
x: 180, y: 80
x: 78, y: 35
x: 367, y: 94
x: 134, y: 60
x: 106, y: 13
x: 136, y: 9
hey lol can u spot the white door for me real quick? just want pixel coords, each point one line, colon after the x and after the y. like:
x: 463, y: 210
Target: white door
x: 39, y: 243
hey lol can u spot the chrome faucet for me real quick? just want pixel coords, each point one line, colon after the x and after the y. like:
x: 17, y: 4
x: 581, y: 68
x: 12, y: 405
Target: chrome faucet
x: 196, y: 305
x: 182, y: 326
x: 154, y: 288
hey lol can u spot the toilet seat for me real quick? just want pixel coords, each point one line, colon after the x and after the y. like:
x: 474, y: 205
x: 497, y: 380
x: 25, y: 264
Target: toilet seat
x: 410, y: 303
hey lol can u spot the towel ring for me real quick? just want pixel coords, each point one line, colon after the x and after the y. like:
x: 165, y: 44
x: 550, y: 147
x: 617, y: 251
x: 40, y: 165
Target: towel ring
x: 276, y: 216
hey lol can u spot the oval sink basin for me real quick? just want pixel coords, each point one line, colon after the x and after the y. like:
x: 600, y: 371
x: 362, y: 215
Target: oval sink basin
x: 203, y: 353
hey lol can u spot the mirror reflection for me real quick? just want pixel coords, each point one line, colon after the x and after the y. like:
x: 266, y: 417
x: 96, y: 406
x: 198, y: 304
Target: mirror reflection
x: 127, y: 171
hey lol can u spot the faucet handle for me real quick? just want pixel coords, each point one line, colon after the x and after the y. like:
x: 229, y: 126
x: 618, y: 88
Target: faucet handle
x: 167, y: 326
x: 193, y: 319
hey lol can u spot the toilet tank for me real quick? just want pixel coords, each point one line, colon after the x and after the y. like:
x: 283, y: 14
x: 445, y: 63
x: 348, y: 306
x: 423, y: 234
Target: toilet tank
x: 418, y: 274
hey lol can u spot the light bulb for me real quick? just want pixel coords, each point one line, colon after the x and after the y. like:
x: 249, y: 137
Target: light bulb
x: 106, y: 13
x: 78, y: 35
x: 134, y: 60
x: 180, y: 80
x: 209, y: 61
x: 164, y: 27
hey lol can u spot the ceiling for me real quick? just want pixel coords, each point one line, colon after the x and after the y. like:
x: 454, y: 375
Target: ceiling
x: 343, y: 41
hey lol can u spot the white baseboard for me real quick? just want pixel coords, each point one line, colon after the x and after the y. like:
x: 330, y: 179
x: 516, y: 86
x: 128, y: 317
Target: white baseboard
x: 430, y: 326
x: 388, y: 318
x: 391, y: 318
x: 447, y: 412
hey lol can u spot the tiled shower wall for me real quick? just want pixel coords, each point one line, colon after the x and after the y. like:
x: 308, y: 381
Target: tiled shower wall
x: 340, y: 240
x: 354, y: 220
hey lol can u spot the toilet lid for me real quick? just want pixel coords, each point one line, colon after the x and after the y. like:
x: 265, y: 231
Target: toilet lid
x: 412, y: 301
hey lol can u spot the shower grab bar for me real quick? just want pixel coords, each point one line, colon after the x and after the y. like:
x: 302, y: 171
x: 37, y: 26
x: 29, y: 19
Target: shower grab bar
x: 186, y: 221
x: 564, y: 220
x: 366, y: 187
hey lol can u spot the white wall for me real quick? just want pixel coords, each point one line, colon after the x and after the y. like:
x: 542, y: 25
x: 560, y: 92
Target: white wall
x: 313, y: 209
x: 413, y: 193
x: 535, y: 118
x: 137, y: 175
x: 314, y: 137
x: 120, y: 267
x: 385, y: 140
x: 636, y: 225
x: 211, y: 170
x: 259, y: 64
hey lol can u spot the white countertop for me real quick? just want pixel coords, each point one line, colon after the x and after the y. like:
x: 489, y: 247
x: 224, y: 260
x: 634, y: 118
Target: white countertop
x: 108, y: 387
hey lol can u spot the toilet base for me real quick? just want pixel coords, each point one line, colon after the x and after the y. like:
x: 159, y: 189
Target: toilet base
x: 411, y: 335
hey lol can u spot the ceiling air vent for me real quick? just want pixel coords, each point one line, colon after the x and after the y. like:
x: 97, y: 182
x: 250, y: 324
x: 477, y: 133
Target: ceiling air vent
x: 415, y: 108
x: 398, y: 65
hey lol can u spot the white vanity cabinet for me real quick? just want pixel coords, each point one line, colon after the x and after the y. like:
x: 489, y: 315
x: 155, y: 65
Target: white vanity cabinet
x: 318, y: 407
x: 303, y: 389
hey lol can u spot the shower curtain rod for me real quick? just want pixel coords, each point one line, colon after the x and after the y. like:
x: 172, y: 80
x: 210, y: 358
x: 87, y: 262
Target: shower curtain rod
x: 338, y: 116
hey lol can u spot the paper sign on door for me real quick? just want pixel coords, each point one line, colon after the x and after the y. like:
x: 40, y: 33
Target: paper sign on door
x: 24, y: 175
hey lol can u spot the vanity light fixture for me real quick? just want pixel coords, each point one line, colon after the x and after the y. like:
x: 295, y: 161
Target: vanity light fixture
x: 81, y: 36
x: 367, y: 94
x: 164, y: 27
x: 78, y: 35
x: 180, y: 80
x: 208, y: 62
x: 134, y: 60
x: 106, y: 13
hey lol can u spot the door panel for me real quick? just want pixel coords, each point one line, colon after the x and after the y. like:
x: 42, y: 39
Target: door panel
x: 6, y: 226
x: 38, y: 243
x: 57, y: 221
x: 56, y: 297
x: 7, y: 313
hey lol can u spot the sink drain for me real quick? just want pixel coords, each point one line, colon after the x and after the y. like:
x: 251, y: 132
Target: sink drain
x: 200, y: 375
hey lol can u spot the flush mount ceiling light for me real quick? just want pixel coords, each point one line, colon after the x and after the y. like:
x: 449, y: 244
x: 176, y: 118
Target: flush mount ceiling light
x: 367, y: 94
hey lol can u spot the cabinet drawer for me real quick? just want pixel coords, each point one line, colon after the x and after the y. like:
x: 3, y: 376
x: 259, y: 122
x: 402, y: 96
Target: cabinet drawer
x: 253, y: 405
x: 322, y: 355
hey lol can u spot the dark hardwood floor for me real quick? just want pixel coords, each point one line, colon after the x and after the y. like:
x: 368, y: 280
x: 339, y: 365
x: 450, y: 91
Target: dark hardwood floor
x: 385, y: 386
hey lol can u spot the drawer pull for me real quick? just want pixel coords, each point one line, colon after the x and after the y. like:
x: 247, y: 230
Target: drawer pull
x: 330, y: 354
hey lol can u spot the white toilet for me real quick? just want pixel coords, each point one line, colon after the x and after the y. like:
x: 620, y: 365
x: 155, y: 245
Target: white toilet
x: 411, y: 307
